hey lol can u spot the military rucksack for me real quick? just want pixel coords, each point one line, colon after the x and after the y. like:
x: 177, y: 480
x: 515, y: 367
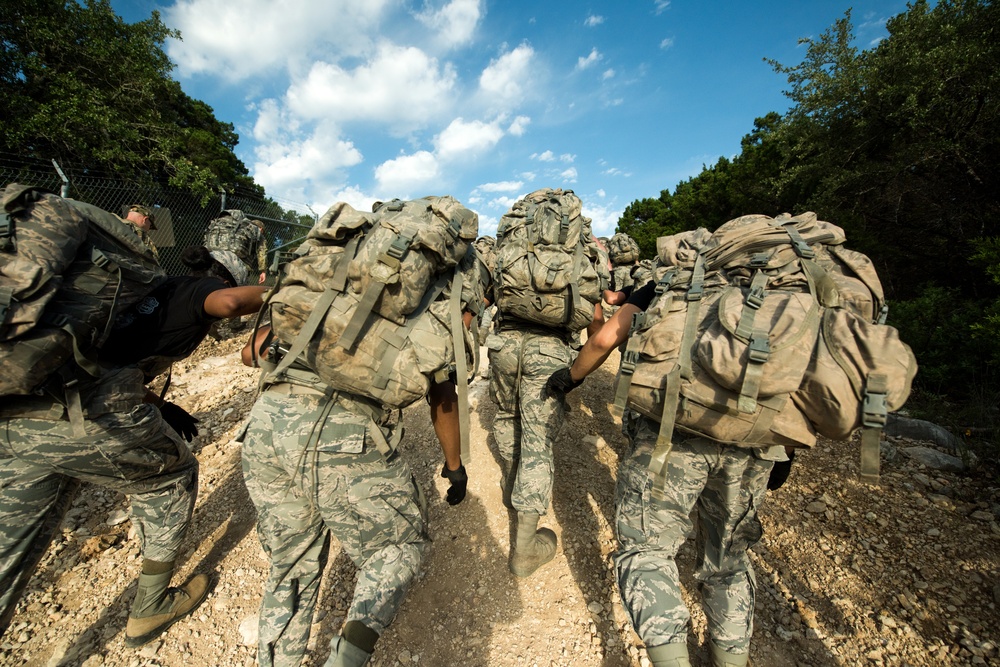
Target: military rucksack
x: 549, y: 269
x: 235, y: 232
x: 623, y: 250
x: 66, y: 270
x: 372, y: 302
x: 766, y: 332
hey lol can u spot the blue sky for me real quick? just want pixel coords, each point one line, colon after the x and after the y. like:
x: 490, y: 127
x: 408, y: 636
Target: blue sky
x: 362, y: 100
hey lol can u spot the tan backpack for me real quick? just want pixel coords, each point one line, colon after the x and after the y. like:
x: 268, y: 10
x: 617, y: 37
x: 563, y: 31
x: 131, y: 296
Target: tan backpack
x: 623, y: 250
x: 766, y: 332
x: 372, y: 302
x: 549, y: 269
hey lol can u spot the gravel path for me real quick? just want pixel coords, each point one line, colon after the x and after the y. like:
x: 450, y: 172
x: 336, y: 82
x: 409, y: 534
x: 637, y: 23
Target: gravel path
x: 904, y: 574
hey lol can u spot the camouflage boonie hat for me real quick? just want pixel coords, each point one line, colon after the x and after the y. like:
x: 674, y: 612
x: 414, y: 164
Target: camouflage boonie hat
x: 237, y: 269
x: 146, y: 211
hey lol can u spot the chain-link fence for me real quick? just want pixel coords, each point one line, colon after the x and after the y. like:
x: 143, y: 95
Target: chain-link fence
x: 181, y: 217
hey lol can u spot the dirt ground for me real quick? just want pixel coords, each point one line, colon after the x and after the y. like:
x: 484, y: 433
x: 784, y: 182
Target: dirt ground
x: 906, y: 573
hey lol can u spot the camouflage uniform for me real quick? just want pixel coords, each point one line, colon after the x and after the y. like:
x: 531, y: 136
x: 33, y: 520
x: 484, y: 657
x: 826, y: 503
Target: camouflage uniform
x: 125, y: 446
x: 313, y: 467
x: 726, y: 484
x: 527, y: 420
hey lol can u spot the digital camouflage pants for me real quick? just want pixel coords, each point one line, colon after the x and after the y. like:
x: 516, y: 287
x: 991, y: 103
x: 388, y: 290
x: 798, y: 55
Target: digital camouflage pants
x: 527, y: 421
x: 313, y: 469
x: 726, y: 484
x: 42, y: 462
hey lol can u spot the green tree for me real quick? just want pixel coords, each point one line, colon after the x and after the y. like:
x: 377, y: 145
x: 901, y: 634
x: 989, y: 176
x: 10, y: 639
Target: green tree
x: 79, y: 84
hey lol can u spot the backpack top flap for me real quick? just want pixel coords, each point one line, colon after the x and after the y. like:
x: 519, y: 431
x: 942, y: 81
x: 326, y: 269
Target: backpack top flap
x: 41, y: 235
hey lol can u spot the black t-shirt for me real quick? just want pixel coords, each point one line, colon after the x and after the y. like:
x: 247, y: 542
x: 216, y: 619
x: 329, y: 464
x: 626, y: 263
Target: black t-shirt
x: 169, y: 322
x: 642, y: 297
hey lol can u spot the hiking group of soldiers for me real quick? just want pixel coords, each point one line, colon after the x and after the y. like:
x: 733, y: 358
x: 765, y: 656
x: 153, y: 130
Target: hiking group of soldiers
x: 321, y: 463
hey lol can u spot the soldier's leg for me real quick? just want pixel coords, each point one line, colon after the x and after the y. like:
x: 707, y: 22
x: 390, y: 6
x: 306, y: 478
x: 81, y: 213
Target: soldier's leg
x: 650, y: 532
x: 541, y: 418
x: 289, y: 524
x: 729, y: 526
x: 381, y: 525
x: 33, y: 503
x: 507, y: 422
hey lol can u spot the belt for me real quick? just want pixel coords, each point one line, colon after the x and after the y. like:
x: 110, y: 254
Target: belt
x: 290, y: 388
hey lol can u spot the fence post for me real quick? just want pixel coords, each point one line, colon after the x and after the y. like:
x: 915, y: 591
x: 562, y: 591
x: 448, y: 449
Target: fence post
x: 64, y: 190
x: 222, y: 200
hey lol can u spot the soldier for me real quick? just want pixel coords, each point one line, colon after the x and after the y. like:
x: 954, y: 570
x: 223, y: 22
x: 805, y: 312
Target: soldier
x: 523, y: 354
x: 727, y: 485
x: 122, y: 442
x: 141, y: 219
x: 317, y: 462
x: 234, y: 232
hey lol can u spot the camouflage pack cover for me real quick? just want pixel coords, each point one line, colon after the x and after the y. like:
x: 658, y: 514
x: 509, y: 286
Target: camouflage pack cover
x: 766, y: 332
x: 549, y: 269
x: 623, y: 250
x: 235, y: 232
x: 370, y: 300
x: 66, y: 270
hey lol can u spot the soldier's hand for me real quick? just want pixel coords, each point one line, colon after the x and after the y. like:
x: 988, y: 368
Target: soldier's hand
x: 561, y: 383
x: 779, y: 472
x: 459, y: 480
x: 180, y: 420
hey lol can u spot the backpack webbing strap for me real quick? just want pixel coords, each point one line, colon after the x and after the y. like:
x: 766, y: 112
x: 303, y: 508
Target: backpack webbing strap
x: 759, y: 347
x: 630, y: 357
x: 6, y: 297
x: 574, y: 282
x: 874, y: 414
x: 301, y: 341
x: 799, y: 244
x: 461, y: 365
x: 391, y: 257
x: 396, y: 340
x: 682, y: 371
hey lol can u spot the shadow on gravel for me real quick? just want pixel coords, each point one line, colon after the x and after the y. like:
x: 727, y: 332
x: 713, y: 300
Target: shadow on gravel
x: 583, y: 503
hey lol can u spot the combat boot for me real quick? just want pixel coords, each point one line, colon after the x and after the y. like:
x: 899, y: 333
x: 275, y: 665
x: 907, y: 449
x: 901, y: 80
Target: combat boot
x: 345, y: 654
x: 157, y: 606
x: 721, y: 658
x: 669, y: 655
x: 533, y: 547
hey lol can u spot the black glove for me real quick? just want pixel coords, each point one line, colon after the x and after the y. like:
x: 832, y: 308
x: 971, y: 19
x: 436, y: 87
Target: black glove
x: 459, y: 480
x: 561, y: 383
x: 180, y: 420
x: 779, y: 472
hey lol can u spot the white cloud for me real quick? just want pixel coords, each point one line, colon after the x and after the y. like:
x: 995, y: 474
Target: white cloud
x: 661, y: 5
x: 501, y: 186
x: 568, y: 158
x: 569, y: 175
x: 242, y: 39
x: 519, y: 126
x: 354, y: 196
x: 547, y: 156
x: 601, y: 193
x: 503, y: 203
x: 401, y: 86
x: 593, y: 20
x: 406, y: 175
x: 302, y: 168
x: 461, y: 139
x: 604, y: 218
x: 455, y: 23
x: 502, y: 78
x: 608, y: 74
x: 529, y: 175
x: 667, y: 43
x: 584, y: 63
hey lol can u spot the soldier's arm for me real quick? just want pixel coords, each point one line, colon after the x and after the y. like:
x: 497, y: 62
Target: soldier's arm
x: 234, y: 301
x: 599, y: 346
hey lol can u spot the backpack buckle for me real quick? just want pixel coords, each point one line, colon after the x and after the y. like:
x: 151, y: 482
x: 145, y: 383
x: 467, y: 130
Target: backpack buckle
x: 759, y: 260
x: 394, y: 253
x: 755, y: 298
x: 629, y: 360
x: 874, y: 410
x: 759, y: 349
